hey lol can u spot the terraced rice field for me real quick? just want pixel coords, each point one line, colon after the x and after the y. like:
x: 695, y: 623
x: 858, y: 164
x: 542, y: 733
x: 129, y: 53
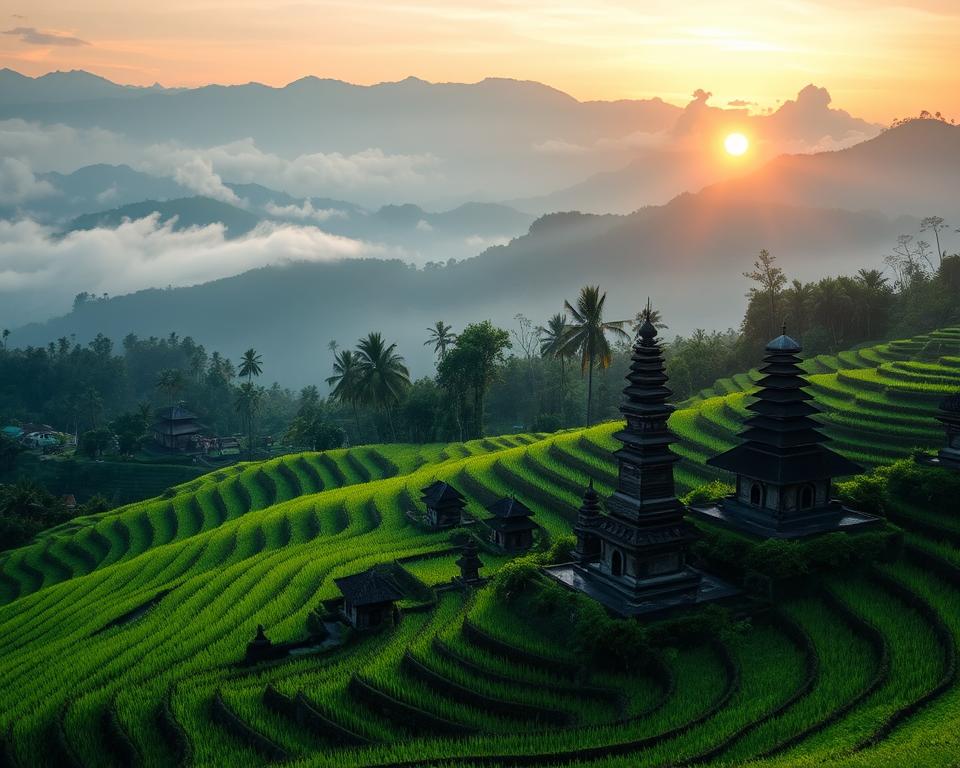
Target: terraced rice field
x: 120, y: 633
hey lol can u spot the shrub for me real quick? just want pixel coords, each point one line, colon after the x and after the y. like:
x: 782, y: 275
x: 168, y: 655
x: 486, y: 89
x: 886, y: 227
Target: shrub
x: 707, y: 493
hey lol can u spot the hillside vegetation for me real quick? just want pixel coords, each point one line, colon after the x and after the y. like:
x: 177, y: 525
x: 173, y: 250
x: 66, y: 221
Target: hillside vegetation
x: 120, y: 633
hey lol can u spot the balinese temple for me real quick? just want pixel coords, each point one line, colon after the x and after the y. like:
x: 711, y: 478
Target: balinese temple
x: 949, y: 416
x: 176, y: 428
x: 631, y: 551
x: 260, y: 648
x: 445, y: 505
x: 784, y: 472
x: 510, y: 525
x: 469, y: 563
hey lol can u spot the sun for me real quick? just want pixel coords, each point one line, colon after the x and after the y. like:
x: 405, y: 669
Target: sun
x: 736, y: 144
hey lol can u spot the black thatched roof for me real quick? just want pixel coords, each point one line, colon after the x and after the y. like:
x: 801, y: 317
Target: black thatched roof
x: 440, y: 492
x: 175, y: 413
x: 781, y: 441
x: 368, y: 588
x: 509, y: 508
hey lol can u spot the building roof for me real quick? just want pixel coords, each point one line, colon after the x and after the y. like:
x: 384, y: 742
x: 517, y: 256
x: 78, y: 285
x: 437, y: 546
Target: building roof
x: 440, y: 492
x: 509, y: 507
x: 368, y: 588
x: 175, y: 413
x: 781, y: 443
x: 784, y: 343
x: 175, y: 429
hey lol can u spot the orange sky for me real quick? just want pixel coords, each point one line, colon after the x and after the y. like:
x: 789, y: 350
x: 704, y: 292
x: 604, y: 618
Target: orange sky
x: 879, y: 58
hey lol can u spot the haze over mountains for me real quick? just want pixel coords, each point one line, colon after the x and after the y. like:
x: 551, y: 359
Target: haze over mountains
x: 327, y: 191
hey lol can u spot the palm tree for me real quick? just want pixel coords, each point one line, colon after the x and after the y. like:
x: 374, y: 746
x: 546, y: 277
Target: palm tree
x: 440, y: 338
x: 346, y: 383
x: 383, y: 375
x: 875, y: 293
x: 247, y: 405
x: 170, y: 381
x: 333, y: 346
x: 552, y: 338
x: 799, y: 298
x: 6, y: 335
x: 251, y: 364
x: 587, y: 336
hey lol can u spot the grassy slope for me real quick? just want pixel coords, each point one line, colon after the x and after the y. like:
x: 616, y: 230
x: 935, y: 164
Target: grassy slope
x: 261, y: 543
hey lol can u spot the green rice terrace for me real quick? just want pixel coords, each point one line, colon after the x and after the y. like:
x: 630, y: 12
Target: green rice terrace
x: 121, y: 635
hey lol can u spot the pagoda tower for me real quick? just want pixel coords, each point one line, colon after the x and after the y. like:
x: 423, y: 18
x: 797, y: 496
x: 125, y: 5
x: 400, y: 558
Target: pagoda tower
x: 949, y: 416
x: 784, y: 472
x: 632, y: 555
x: 469, y: 563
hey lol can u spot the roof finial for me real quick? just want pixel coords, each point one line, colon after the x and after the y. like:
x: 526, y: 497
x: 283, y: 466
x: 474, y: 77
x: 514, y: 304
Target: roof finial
x: 783, y: 328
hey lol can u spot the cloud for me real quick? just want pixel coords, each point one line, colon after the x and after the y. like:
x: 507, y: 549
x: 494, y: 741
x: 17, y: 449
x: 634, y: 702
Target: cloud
x: 18, y: 183
x: 196, y: 174
x: 33, y: 36
x: 108, y: 195
x: 306, y: 175
x: 304, y: 212
x: 741, y: 103
x: 424, y: 226
x: 58, y: 147
x: 40, y: 272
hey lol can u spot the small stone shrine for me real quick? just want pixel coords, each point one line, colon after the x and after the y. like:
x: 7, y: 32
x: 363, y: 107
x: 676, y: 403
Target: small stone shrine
x: 368, y: 598
x: 784, y: 472
x: 469, y: 563
x: 445, y: 505
x: 631, y: 551
x: 510, y: 525
x: 261, y: 648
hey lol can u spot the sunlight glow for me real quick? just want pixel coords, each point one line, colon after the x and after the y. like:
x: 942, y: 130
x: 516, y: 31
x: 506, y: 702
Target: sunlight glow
x: 736, y: 144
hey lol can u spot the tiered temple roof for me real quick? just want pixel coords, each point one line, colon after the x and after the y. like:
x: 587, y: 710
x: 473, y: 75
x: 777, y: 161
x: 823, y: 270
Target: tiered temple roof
x: 781, y: 441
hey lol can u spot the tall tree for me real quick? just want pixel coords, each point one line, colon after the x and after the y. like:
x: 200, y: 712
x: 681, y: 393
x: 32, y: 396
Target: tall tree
x: 553, y: 335
x: 346, y: 383
x: 248, y: 402
x: 170, y: 381
x: 935, y: 224
x: 383, y: 375
x: 441, y: 337
x: 472, y: 364
x: 587, y: 336
x: 251, y: 365
x: 771, y: 281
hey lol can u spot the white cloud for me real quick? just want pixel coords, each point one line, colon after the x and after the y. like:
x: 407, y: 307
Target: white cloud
x: 40, y: 269
x: 304, y: 212
x: 18, y: 183
x: 482, y: 243
x: 317, y: 173
x: 424, y: 226
x: 196, y: 174
x: 108, y: 195
x: 58, y: 147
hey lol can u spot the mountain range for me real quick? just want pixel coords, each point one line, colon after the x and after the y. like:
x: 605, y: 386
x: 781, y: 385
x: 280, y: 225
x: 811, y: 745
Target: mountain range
x: 687, y: 255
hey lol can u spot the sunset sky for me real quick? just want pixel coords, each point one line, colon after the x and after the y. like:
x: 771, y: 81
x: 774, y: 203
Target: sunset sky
x: 880, y: 59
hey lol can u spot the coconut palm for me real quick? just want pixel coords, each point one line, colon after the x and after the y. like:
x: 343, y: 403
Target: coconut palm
x: 171, y: 381
x: 441, y: 337
x: 552, y: 338
x: 346, y: 382
x: 587, y: 335
x: 251, y: 364
x: 248, y: 404
x: 383, y: 375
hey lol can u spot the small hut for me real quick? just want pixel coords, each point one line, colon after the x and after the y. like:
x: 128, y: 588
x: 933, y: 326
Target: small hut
x: 949, y: 416
x: 445, y: 505
x: 368, y: 598
x: 510, y: 525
